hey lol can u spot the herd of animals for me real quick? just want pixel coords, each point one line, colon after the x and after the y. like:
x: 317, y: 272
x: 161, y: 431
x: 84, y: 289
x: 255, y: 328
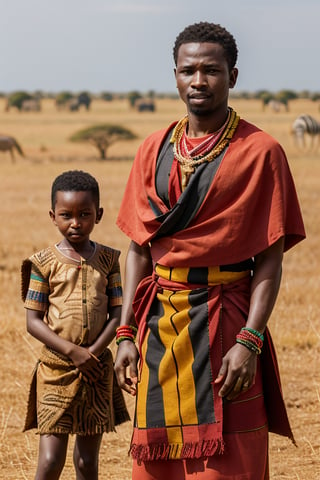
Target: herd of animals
x: 304, y: 126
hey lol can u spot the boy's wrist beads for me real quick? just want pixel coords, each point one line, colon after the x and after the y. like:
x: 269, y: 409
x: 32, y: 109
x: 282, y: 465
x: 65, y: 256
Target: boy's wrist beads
x: 250, y: 338
x: 126, y: 332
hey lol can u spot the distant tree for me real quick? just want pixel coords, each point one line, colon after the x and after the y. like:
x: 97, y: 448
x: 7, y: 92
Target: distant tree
x: 172, y: 96
x: 304, y: 94
x: 133, y: 97
x: 287, y: 94
x: 261, y: 93
x: 102, y: 137
x: 245, y: 95
x: 265, y: 97
x: 16, y: 99
x: 39, y: 94
x: 315, y: 96
x: 283, y: 96
x: 63, y: 98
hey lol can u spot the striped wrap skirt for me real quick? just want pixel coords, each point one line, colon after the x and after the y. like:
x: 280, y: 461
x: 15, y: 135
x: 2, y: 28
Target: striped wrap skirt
x: 188, y: 319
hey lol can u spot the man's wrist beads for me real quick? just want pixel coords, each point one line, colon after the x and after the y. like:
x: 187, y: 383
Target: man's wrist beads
x: 250, y: 338
x: 126, y: 332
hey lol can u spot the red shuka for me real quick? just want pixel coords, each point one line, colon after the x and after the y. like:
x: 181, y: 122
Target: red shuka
x: 251, y: 203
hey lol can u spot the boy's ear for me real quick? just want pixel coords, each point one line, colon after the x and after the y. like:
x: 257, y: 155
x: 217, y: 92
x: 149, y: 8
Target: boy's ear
x: 99, y: 215
x: 52, y: 216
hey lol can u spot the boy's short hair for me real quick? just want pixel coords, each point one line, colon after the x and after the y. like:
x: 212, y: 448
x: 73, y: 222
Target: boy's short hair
x: 205, y: 32
x: 75, y: 181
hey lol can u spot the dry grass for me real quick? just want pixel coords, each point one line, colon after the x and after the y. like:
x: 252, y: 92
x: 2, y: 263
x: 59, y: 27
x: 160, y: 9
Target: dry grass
x: 24, y: 203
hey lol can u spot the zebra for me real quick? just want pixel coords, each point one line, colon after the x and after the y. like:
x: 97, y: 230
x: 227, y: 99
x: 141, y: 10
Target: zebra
x: 303, y: 126
x: 276, y: 106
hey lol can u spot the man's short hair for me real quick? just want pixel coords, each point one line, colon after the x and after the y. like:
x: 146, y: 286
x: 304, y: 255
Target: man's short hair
x: 75, y: 181
x: 205, y: 32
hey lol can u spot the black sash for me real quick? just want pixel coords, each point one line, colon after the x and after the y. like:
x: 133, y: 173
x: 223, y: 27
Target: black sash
x: 190, y: 201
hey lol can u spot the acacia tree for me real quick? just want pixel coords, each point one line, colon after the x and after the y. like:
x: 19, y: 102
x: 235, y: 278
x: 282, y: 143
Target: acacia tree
x: 133, y: 97
x: 102, y: 137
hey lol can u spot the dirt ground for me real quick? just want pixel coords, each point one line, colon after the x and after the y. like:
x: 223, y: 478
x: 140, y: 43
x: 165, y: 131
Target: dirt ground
x: 26, y: 227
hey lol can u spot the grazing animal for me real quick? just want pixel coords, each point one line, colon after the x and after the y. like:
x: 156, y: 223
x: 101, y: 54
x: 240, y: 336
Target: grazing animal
x: 84, y: 99
x: 31, y: 105
x: 277, y: 106
x: 145, y: 105
x: 10, y: 144
x: 73, y: 104
x: 306, y: 126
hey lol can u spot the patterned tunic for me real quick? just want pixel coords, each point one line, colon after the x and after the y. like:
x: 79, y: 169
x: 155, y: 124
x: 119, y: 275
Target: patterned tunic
x: 74, y: 296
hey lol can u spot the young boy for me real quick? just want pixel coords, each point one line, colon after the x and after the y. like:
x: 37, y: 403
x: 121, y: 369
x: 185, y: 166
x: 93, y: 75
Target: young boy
x: 73, y: 295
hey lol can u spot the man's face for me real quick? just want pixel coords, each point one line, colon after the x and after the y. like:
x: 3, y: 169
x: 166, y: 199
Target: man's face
x: 203, y: 78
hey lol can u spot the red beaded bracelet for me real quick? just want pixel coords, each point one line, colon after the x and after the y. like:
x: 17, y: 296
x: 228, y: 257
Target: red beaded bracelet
x: 251, y: 339
x: 126, y: 332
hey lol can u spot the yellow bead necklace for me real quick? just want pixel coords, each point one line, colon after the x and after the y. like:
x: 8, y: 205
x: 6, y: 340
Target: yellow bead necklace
x: 188, y: 165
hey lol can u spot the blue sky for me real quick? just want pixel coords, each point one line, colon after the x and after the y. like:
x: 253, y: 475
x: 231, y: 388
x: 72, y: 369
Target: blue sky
x: 122, y: 45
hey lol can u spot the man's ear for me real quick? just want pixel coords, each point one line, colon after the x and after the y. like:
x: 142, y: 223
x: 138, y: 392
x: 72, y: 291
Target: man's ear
x: 52, y: 216
x: 233, y: 77
x: 99, y: 215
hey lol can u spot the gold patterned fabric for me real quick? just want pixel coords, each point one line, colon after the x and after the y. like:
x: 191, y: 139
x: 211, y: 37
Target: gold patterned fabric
x: 61, y: 402
x: 75, y: 296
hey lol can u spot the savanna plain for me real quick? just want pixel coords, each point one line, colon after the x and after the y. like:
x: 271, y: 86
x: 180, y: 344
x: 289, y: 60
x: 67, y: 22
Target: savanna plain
x: 26, y: 228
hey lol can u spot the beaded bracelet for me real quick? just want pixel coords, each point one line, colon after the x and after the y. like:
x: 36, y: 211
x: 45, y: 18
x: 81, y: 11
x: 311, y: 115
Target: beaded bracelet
x: 255, y: 332
x: 249, y: 345
x: 250, y: 338
x: 126, y: 332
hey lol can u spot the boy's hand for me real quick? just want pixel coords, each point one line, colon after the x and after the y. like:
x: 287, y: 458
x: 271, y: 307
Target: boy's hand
x: 87, y: 363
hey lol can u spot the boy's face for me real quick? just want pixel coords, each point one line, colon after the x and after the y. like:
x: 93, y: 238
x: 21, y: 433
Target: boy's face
x: 75, y: 214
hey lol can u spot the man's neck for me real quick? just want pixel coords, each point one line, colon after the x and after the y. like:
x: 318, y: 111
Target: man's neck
x: 200, y: 126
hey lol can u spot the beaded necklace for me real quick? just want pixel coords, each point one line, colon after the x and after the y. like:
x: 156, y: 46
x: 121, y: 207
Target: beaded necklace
x: 211, y: 147
x: 202, y: 148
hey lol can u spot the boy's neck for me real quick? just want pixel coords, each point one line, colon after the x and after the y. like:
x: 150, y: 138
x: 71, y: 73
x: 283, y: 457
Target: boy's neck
x: 77, y: 251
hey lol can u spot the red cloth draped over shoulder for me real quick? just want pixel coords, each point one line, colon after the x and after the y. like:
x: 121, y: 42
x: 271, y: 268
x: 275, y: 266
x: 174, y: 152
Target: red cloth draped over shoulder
x: 251, y: 203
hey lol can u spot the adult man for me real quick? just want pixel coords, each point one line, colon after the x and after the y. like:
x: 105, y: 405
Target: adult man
x: 210, y: 207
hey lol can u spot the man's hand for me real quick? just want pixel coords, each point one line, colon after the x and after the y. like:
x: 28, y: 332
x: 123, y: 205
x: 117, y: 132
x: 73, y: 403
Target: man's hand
x: 126, y: 361
x: 237, y: 372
